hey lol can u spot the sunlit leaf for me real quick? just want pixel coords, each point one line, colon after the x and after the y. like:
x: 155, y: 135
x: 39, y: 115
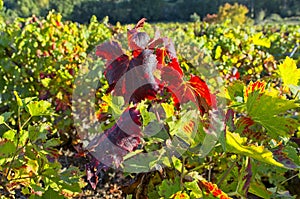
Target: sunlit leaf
x: 218, y: 52
x: 46, y: 82
x: 236, y: 144
x: 202, y: 91
x: 289, y: 72
x: 32, y: 166
x: 19, y: 101
x: 212, y: 189
x: 23, y: 137
x: 194, y: 188
x: 259, y: 41
x: 186, y: 127
x: 39, y: 108
x: 265, y: 109
x: 110, y: 51
x: 137, y: 40
x: 258, y: 87
x: 180, y: 195
x: 10, y: 135
x: 169, y: 109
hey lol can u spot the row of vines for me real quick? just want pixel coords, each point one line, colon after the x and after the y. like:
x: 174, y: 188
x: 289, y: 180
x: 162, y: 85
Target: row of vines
x: 246, y: 75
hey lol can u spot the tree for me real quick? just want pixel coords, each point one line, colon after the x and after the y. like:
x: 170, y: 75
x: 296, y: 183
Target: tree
x: 236, y: 13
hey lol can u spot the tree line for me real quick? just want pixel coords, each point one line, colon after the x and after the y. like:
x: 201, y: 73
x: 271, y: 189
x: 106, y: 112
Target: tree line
x: 129, y: 11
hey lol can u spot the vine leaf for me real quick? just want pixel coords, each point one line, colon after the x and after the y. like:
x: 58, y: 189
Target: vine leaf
x: 264, y: 109
x: 138, y: 40
x: 200, y: 88
x: 287, y: 156
x: 4, y: 117
x: 288, y: 72
x: 110, y: 51
x: 257, y: 40
x: 7, y: 147
x: 116, y: 70
x: 112, y: 145
x: 186, y: 128
x: 39, y: 108
x: 236, y: 144
x: 169, y: 187
x: 259, y: 189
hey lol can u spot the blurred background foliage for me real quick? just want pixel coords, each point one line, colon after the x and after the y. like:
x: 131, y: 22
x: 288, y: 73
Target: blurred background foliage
x: 129, y: 11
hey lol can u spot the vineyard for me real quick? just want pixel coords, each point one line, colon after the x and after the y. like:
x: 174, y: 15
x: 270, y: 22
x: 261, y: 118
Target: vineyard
x: 204, y: 109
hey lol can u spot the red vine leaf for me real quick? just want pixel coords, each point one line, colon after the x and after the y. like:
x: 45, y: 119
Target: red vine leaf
x: 140, y: 23
x: 110, y: 51
x: 113, y: 144
x: 116, y: 70
x: 138, y: 40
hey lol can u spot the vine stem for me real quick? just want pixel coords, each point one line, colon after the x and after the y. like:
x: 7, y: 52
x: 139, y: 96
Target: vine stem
x: 182, y: 171
x: 18, y: 140
x: 7, y: 126
x: 157, y: 115
x: 26, y: 122
x: 289, y: 178
x: 19, y: 120
x: 226, y: 173
x: 209, y: 170
x: 296, y: 94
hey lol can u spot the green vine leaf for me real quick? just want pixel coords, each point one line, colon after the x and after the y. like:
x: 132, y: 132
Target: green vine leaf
x: 115, y: 103
x: 169, y: 187
x: 10, y: 135
x: 4, y: 117
x: 259, y: 189
x: 50, y: 193
x: 39, y: 108
x: 264, y: 109
x: 7, y: 147
x: 194, y: 188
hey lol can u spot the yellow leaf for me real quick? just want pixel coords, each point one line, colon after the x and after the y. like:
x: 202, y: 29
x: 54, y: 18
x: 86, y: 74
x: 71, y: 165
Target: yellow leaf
x: 288, y: 72
x: 260, y: 41
x: 169, y: 109
x: 218, y: 52
x: 238, y: 145
x: 59, y: 95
